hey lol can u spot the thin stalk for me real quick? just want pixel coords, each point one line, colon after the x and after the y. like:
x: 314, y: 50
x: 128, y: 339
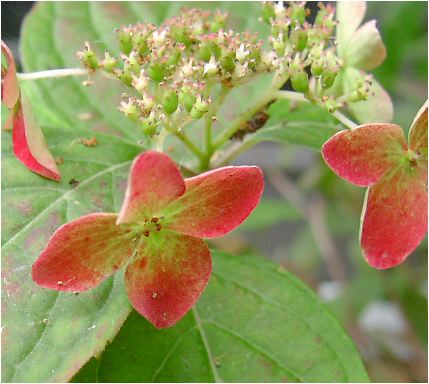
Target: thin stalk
x: 159, y: 140
x: 213, y: 109
x: 53, y: 73
x: 344, y: 120
x: 189, y: 144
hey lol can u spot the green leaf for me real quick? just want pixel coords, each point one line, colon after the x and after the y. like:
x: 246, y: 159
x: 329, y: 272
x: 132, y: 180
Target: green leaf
x: 268, y: 213
x: 254, y: 323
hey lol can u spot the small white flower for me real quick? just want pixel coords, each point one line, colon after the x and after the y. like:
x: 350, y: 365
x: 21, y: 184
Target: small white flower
x: 241, y: 54
x: 240, y: 69
x: 159, y: 37
x: 188, y: 69
x: 211, y: 67
x: 140, y: 83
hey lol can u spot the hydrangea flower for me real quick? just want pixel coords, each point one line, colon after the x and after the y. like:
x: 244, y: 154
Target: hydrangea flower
x: 394, y: 215
x: 157, y: 236
x: 29, y: 144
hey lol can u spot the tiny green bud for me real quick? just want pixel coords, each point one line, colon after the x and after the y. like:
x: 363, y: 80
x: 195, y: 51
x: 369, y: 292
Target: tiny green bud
x: 140, y: 44
x: 109, y: 63
x: 330, y: 104
x: 149, y: 129
x: 317, y: 67
x: 130, y: 110
x: 181, y: 35
x: 297, y: 13
x: 88, y: 57
x: 215, y: 26
x: 174, y: 57
x: 187, y: 99
x: 125, y: 77
x: 205, y: 52
x: 170, y: 102
x: 199, y: 109
x: 299, y: 81
x: 299, y: 39
x: 328, y: 78
x: 279, y: 45
x: 131, y: 65
x: 227, y: 62
x: 125, y: 41
x: 156, y: 72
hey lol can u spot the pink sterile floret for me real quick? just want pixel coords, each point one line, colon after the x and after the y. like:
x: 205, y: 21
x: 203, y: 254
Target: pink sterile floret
x: 157, y: 235
x: 29, y: 144
x: 394, y: 217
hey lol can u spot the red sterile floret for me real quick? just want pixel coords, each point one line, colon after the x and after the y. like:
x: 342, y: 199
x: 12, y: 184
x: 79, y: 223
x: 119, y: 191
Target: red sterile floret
x: 29, y: 144
x: 394, y: 216
x: 157, y: 236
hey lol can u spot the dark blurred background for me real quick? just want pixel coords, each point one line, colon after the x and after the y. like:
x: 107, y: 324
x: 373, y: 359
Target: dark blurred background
x: 384, y: 311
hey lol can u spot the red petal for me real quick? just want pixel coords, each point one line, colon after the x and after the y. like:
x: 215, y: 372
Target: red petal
x: 82, y: 253
x: 394, y: 218
x: 154, y: 182
x: 9, y: 84
x: 418, y: 135
x: 29, y: 143
x: 216, y: 202
x: 168, y: 276
x: 364, y: 154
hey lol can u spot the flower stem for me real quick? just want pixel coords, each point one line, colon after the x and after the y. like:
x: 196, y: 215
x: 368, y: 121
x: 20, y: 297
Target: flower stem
x: 344, y: 120
x: 213, y: 109
x: 53, y: 73
x: 159, y: 140
x: 189, y: 144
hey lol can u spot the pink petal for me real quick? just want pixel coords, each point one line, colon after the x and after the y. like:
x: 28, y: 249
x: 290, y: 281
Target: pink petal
x: 394, y: 218
x: 418, y: 134
x: 168, y: 276
x: 363, y: 155
x: 29, y: 143
x: 9, y: 84
x: 154, y: 182
x: 216, y: 202
x: 82, y: 253
x: 365, y: 48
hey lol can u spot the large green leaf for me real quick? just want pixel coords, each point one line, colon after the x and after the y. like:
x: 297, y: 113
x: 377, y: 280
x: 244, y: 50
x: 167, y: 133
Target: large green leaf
x: 254, y: 323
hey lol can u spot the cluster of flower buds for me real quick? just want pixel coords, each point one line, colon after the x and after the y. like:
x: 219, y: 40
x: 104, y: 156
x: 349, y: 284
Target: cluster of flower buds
x: 172, y: 66
x: 301, y: 48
